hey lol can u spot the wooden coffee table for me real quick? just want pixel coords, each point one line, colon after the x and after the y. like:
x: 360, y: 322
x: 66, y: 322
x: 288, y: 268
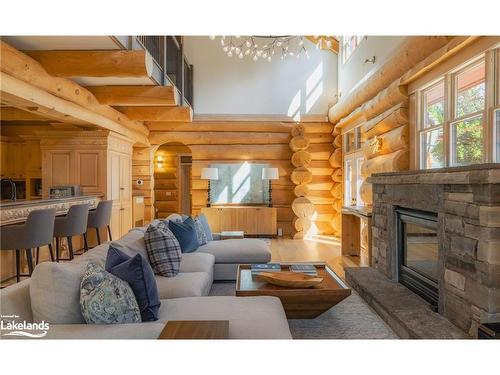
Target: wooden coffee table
x: 195, y: 329
x: 298, y: 303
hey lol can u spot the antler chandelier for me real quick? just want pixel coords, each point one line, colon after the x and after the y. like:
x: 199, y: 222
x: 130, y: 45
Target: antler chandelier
x: 263, y: 47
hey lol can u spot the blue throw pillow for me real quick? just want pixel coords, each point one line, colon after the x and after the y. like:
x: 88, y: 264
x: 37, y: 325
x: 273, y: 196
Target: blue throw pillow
x: 206, y: 228
x: 138, y: 273
x: 185, y: 233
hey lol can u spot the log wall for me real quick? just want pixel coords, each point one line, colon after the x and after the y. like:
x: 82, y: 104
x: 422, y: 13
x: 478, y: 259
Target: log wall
x: 260, y: 142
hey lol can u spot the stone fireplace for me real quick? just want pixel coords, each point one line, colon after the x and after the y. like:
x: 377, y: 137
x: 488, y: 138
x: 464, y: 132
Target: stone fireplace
x: 442, y: 227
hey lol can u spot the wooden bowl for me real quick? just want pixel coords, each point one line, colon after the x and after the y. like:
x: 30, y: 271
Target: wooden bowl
x: 290, y: 279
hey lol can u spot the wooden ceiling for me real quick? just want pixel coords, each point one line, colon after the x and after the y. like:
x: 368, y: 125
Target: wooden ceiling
x: 41, y: 87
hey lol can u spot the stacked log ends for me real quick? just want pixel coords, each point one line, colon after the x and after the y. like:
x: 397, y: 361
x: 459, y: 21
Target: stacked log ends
x: 335, y: 162
x: 337, y: 175
x: 302, y: 207
x: 301, y: 190
x: 298, y: 130
x: 299, y: 143
x: 337, y: 142
x: 335, y: 159
x: 301, y: 175
x: 301, y: 158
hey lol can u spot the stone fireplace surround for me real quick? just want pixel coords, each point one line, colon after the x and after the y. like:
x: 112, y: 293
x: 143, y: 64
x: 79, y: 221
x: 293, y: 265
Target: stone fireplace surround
x: 467, y: 201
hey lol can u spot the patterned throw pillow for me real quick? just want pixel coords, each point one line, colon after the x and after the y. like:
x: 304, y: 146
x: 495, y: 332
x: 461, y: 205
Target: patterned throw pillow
x: 200, y: 231
x: 206, y: 228
x: 164, y: 251
x: 106, y: 299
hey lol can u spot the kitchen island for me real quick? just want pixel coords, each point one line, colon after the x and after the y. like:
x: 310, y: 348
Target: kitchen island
x: 12, y: 212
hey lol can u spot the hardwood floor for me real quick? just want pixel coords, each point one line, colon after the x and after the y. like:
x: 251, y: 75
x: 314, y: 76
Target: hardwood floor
x: 319, y: 249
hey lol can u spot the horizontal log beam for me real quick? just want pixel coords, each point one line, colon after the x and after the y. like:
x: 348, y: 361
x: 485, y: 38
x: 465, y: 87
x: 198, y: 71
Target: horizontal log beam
x: 136, y: 95
x: 411, y: 52
x: 242, y: 152
x: 86, y: 63
x: 218, y: 138
x: 238, y: 126
x: 26, y: 69
x: 15, y: 114
x: 170, y: 114
x: 23, y: 95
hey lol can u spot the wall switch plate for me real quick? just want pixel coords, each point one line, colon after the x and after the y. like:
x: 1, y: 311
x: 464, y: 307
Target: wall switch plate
x: 280, y: 232
x: 168, y: 193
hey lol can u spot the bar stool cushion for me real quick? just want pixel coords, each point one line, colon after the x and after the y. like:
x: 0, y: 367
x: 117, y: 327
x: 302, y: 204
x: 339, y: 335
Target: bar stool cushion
x: 106, y: 299
x: 55, y: 292
x: 138, y: 273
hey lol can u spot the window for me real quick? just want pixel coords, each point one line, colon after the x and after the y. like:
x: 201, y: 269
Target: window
x: 353, y: 160
x: 349, y: 44
x: 451, y: 125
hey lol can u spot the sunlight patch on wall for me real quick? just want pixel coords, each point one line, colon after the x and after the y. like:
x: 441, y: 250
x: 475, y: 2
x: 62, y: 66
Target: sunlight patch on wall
x: 294, y: 107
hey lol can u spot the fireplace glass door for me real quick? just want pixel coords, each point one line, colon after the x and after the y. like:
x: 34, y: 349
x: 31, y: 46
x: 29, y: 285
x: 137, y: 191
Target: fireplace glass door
x: 418, y: 253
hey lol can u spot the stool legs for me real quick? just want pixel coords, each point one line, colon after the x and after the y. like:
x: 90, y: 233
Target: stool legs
x: 109, y: 233
x: 98, y: 236
x: 70, y: 247
x: 57, y: 249
x: 50, y: 252
x: 37, y: 255
x: 29, y: 258
x: 85, y: 243
x: 18, y: 265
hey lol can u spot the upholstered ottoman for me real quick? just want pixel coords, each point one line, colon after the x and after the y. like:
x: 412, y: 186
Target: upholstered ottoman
x: 230, y: 253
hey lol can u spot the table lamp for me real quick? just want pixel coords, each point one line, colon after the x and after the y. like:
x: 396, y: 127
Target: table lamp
x: 209, y: 174
x: 270, y: 174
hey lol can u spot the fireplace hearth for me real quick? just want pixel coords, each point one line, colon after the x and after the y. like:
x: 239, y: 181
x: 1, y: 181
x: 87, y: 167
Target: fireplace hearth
x: 437, y: 232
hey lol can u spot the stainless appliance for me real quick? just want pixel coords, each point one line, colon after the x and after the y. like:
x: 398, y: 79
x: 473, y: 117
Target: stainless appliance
x: 64, y: 191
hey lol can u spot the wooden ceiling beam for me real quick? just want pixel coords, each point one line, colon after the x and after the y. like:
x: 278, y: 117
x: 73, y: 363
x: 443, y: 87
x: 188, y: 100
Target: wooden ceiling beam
x: 16, y: 114
x: 22, y: 67
x: 74, y: 63
x: 21, y: 94
x: 168, y: 114
x: 323, y: 41
x: 136, y: 95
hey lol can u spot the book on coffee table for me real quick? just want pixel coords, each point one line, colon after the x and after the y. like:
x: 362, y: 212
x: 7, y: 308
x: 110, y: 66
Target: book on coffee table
x: 308, y: 269
x: 265, y: 267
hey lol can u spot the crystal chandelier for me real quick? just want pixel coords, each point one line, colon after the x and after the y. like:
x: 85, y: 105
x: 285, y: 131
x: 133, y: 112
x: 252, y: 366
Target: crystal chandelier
x: 263, y: 47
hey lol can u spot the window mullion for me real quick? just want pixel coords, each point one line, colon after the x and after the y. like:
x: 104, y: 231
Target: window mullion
x: 449, y: 88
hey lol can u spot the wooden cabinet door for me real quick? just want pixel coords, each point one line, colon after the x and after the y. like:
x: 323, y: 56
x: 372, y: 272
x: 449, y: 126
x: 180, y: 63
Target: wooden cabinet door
x: 115, y: 224
x: 266, y: 218
x: 125, y: 179
x: 213, y: 217
x: 125, y: 219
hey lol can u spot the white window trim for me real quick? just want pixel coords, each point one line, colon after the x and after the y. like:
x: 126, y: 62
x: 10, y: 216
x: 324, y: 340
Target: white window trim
x: 359, y: 39
x: 492, y: 96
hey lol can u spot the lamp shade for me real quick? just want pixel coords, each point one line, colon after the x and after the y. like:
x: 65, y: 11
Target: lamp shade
x: 209, y: 174
x: 270, y: 174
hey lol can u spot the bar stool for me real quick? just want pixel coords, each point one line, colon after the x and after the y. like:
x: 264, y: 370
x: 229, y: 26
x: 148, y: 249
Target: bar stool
x: 35, y: 232
x: 73, y: 224
x: 101, y: 217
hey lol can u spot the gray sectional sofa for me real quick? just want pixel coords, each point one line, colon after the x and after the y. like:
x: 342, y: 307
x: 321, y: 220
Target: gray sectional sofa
x: 183, y: 297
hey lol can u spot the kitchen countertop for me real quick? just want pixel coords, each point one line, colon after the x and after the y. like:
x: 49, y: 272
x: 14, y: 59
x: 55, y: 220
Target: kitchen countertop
x: 12, y: 212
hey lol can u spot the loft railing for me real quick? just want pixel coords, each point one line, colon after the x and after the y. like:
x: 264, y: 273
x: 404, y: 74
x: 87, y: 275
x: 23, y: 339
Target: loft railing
x: 168, y: 54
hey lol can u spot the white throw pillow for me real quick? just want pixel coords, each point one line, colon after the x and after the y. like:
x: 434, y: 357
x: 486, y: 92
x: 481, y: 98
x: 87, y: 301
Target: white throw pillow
x: 55, y: 292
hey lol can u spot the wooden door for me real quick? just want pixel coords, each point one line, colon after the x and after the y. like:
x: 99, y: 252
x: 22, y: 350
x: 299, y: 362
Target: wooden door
x: 125, y: 195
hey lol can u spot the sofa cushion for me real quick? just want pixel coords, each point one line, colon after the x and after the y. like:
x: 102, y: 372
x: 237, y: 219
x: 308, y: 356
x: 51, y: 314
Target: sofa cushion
x: 185, y: 233
x: 132, y: 243
x: 246, y: 250
x: 96, y: 255
x: 106, y: 299
x: 137, y: 272
x: 55, y: 292
x: 163, y: 249
x: 187, y: 284
x: 206, y: 227
x: 197, y: 262
x: 200, y: 232
x: 249, y: 317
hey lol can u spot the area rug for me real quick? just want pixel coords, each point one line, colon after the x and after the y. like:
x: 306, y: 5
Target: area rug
x: 350, y: 319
